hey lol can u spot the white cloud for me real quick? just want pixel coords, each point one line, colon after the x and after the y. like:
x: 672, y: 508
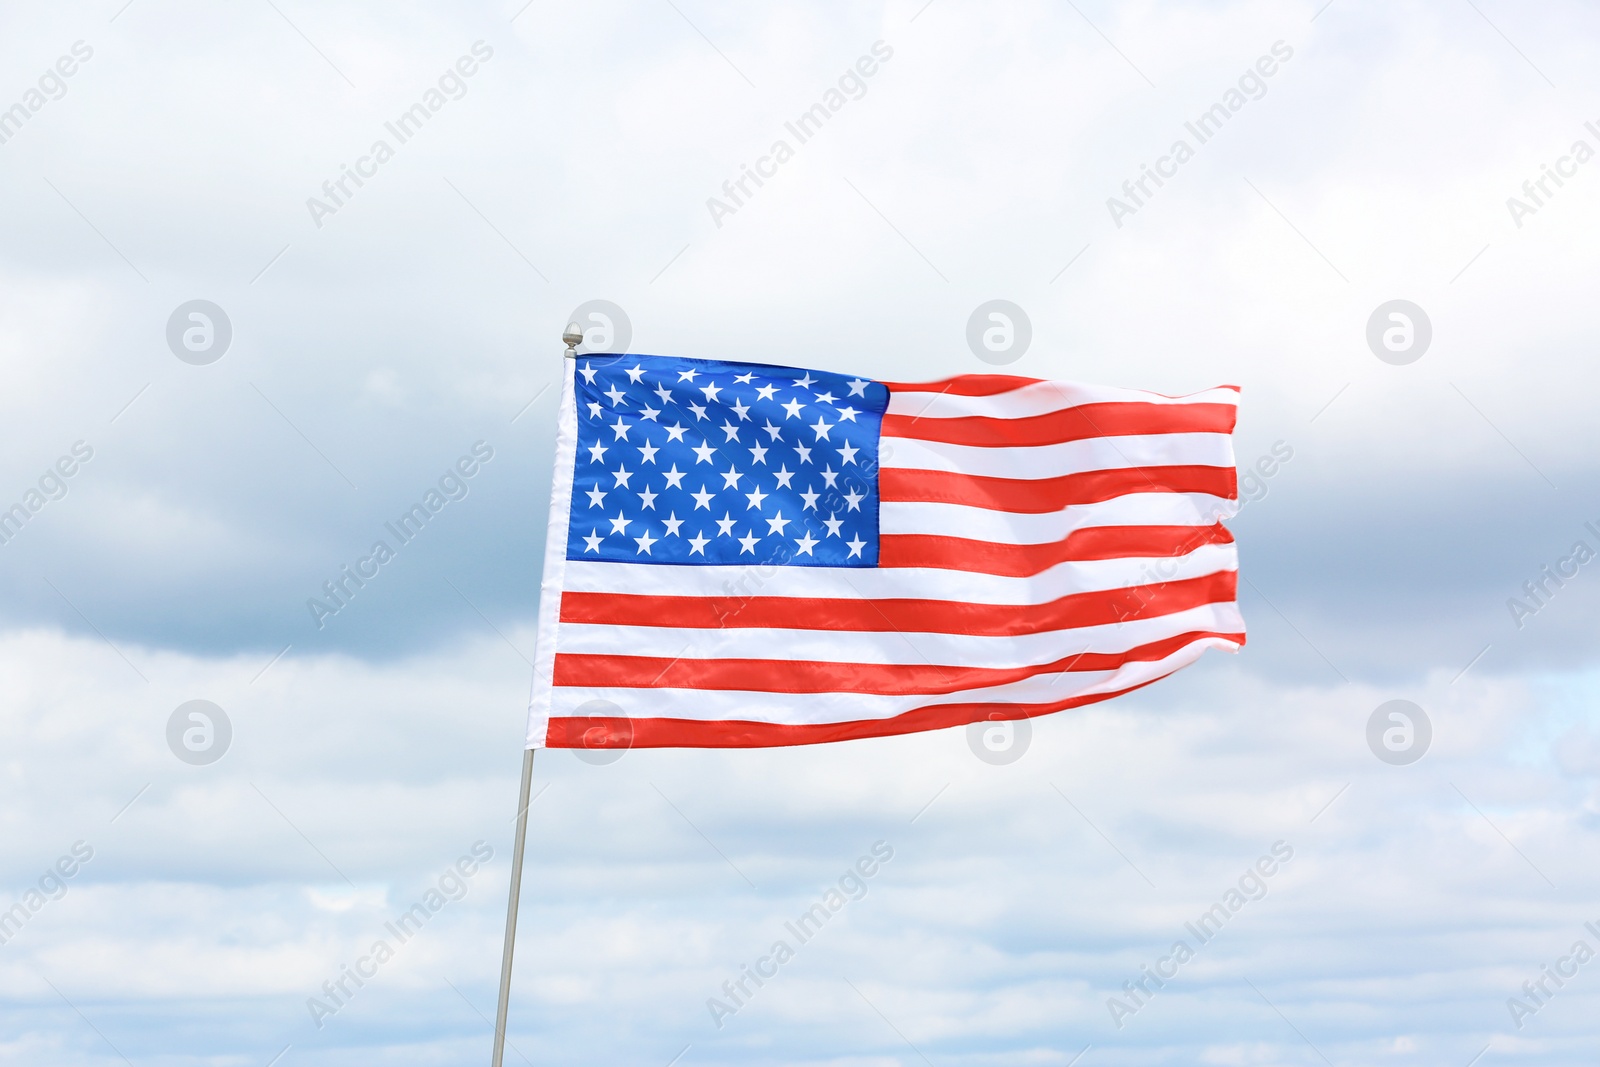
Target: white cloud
x: 415, y: 321
x: 1007, y: 917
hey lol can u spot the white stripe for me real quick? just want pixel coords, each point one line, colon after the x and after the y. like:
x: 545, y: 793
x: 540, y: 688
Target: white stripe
x: 949, y: 650
x: 708, y: 705
x: 1068, y: 457
x: 869, y: 583
x: 1039, y: 398
x: 1015, y: 528
x: 555, y: 561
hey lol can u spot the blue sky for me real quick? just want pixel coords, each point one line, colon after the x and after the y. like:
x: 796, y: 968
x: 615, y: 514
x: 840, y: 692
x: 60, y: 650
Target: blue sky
x: 374, y: 346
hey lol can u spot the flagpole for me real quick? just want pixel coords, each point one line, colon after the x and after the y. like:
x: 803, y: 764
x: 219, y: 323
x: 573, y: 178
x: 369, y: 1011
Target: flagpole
x: 572, y: 337
x: 511, y: 907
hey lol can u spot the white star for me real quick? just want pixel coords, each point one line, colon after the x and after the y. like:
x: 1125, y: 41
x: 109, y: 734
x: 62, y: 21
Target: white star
x: 615, y: 394
x: 766, y: 392
x: 804, y: 451
x: 699, y: 412
x: 702, y: 499
x: 621, y: 429
x: 731, y: 430
x: 597, y: 452
x: 635, y: 374
x: 760, y: 454
x: 848, y: 414
x: 859, y: 387
x: 847, y: 454
x: 821, y: 428
x: 730, y: 478
x: 588, y: 373
x: 674, y: 433
x: 673, y: 522
x: 698, y: 543
x: 664, y: 393
x: 810, y: 497
x: 674, y: 478
x: 711, y: 390
x: 740, y: 410
x: 646, y: 541
x: 745, y: 378
x: 747, y: 543
x: 853, y: 500
x: 647, y: 498
x: 592, y: 542
x: 594, y: 409
x: 806, y: 544
x: 783, y: 476
x: 793, y: 408
x: 828, y: 476
x: 622, y: 474
x: 807, y: 382
x: 648, y: 453
x: 687, y: 375
x: 597, y: 497
x: 756, y: 498
x: 724, y: 525
x: 824, y: 398
x: 620, y: 524
x: 855, y: 547
x: 833, y: 524
x: 776, y: 525
x: 703, y: 453
x: 772, y: 431
x: 648, y: 413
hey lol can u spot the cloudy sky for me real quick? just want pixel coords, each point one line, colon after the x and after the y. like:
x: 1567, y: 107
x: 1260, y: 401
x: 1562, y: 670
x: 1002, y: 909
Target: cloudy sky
x: 363, y: 339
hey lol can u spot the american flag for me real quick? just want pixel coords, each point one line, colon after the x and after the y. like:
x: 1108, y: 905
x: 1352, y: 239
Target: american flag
x: 747, y: 555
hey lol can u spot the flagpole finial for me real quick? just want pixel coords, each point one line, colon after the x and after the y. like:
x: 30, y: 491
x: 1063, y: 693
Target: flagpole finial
x: 572, y: 337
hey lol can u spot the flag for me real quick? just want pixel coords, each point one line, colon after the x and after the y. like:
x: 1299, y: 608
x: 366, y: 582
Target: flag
x: 747, y: 555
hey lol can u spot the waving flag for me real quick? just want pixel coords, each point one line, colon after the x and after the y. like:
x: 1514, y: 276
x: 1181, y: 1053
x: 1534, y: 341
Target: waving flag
x: 746, y: 555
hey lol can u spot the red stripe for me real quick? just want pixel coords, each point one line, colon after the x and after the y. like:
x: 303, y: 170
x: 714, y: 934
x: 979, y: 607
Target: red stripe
x: 806, y: 676
x: 965, y: 385
x: 1039, y: 496
x: 1069, y: 424
x: 614, y: 733
x: 1100, y: 607
x: 1024, y: 561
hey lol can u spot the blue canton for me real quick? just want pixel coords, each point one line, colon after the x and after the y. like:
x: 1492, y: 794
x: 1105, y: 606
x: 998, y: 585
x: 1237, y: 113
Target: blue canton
x: 695, y: 461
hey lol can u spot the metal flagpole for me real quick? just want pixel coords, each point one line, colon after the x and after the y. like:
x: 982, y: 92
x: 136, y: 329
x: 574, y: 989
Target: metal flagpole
x: 573, y: 337
x: 511, y: 908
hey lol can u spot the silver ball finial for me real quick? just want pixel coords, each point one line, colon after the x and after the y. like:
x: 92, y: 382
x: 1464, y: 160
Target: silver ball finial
x: 573, y: 337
